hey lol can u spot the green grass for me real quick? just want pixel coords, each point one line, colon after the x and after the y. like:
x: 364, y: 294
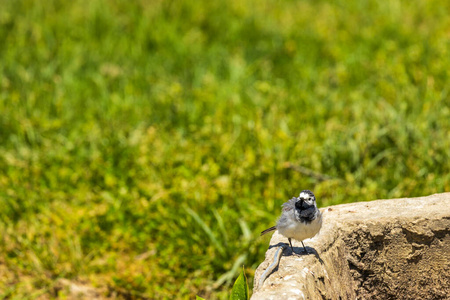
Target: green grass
x: 144, y: 144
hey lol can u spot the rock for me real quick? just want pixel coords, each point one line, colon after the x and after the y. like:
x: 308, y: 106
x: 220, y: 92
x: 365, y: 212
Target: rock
x: 384, y: 249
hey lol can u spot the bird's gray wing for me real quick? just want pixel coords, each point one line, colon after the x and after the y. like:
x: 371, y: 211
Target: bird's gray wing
x: 289, y: 205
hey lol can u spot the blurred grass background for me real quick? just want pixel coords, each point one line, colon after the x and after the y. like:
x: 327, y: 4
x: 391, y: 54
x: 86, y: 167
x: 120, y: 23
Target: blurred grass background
x: 145, y: 144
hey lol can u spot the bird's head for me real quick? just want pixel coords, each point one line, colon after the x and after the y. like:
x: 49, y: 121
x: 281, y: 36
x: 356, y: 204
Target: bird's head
x: 305, y: 200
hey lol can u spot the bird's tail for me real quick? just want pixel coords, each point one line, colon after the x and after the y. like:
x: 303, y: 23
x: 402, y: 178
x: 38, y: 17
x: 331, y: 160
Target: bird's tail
x: 269, y: 230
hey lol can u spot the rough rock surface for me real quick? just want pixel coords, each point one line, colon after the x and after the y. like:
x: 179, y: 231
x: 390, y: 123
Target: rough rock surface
x: 384, y: 249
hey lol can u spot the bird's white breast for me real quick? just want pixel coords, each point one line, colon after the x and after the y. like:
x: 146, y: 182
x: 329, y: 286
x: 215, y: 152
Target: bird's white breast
x: 300, y: 231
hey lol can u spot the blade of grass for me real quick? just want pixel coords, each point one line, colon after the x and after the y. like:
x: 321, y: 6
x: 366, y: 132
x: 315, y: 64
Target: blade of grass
x: 206, y: 229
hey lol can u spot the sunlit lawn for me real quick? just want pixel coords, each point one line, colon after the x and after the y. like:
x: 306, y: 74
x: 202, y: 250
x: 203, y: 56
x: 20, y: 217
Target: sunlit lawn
x: 145, y: 144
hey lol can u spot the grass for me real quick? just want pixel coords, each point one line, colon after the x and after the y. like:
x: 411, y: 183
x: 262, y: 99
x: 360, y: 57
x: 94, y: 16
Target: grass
x: 144, y: 144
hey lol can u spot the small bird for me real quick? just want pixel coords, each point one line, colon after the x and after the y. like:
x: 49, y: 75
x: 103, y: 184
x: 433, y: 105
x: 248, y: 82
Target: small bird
x: 300, y: 219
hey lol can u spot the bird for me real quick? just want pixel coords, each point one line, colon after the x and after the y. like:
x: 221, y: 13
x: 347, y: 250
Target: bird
x: 300, y: 219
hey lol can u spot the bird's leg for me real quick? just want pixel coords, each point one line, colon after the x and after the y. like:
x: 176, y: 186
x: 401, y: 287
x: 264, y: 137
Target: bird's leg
x: 289, y: 239
x: 304, y: 248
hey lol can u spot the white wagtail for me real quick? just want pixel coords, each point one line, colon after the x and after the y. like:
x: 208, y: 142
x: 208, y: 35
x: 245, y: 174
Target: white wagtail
x: 300, y: 219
